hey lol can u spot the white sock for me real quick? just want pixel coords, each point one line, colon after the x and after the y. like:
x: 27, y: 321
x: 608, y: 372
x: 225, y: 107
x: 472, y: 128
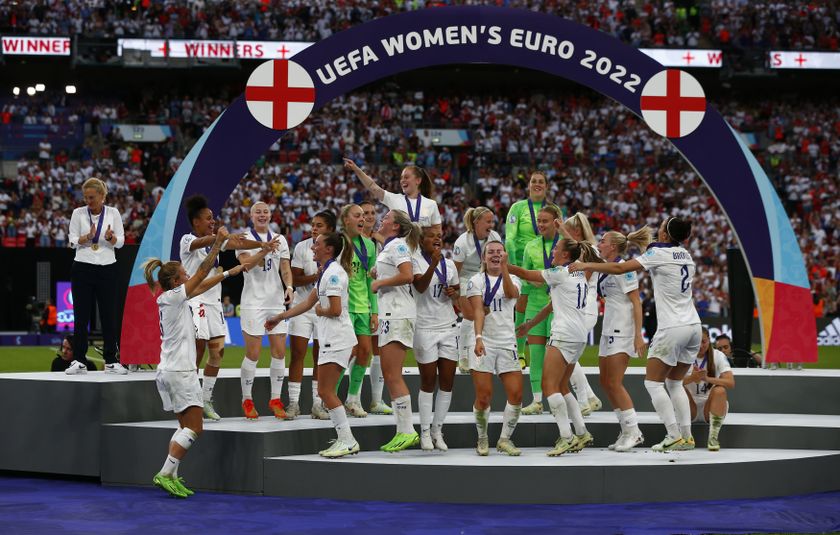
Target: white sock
x: 315, y: 397
x: 682, y: 408
x: 618, y: 417
x: 664, y: 407
x: 342, y: 427
x: 247, y: 372
x: 442, y: 402
x: 557, y: 405
x: 294, y: 392
x: 170, y: 466
x: 377, y: 381
x: 276, y: 373
x: 425, y: 402
x: 207, y: 388
x: 175, y: 472
x: 574, y: 413
x: 402, y: 410
x: 537, y: 397
x: 354, y: 398
x: 482, y: 419
x: 580, y: 385
x: 510, y: 419
x: 630, y: 421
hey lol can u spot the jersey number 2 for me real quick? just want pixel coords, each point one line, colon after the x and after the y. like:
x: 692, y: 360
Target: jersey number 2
x: 685, y: 284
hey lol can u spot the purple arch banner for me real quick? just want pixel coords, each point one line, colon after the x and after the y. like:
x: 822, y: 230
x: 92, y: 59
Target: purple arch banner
x: 457, y: 35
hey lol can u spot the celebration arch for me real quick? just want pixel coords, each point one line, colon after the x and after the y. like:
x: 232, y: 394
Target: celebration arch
x: 460, y: 35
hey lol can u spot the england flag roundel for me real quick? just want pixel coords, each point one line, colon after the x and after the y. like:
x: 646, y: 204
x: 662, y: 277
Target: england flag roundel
x: 280, y: 94
x: 673, y: 103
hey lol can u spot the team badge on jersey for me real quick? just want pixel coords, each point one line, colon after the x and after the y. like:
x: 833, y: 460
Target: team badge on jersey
x: 402, y: 249
x: 457, y: 250
x: 469, y: 285
x: 512, y: 219
x: 333, y: 279
x: 629, y: 276
x: 650, y: 252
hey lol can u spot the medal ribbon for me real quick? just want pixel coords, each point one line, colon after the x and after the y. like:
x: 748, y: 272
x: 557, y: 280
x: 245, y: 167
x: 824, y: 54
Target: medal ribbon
x: 488, y: 295
x: 98, y: 226
x: 361, y: 253
x: 441, y: 275
x: 415, y: 217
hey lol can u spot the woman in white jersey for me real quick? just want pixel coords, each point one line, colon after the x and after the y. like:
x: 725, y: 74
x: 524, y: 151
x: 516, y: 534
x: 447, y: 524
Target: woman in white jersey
x: 621, y: 333
x: 377, y: 381
x: 335, y: 331
x: 416, y: 198
x: 493, y: 293
x: 207, y: 308
x: 177, y: 380
x: 436, y: 285
x: 479, y: 222
x: 578, y: 229
x: 302, y: 328
x: 707, y: 385
x: 569, y: 332
x: 677, y: 337
x: 397, y: 316
x: 266, y: 292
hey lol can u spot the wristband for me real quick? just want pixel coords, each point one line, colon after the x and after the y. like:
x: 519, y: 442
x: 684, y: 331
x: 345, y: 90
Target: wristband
x: 226, y: 274
x: 478, y: 336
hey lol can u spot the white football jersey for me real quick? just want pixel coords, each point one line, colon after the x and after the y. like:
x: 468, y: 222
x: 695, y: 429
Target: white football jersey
x: 395, y: 302
x: 191, y: 260
x: 263, y: 286
x: 466, y: 253
x: 499, y: 330
x: 618, y: 312
x: 429, y: 212
x: 700, y: 391
x: 672, y: 270
x: 335, y: 333
x: 434, y: 308
x: 177, y: 331
x: 570, y: 296
x: 304, y: 259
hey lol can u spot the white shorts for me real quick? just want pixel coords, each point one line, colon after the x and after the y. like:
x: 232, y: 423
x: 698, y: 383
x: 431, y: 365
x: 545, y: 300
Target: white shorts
x: 304, y: 326
x: 179, y: 390
x: 495, y: 360
x: 336, y: 356
x: 676, y: 344
x: 431, y: 344
x: 571, y: 351
x: 398, y: 330
x: 209, y: 321
x: 613, y: 345
x: 253, y: 321
x: 700, y: 403
x: 466, y: 340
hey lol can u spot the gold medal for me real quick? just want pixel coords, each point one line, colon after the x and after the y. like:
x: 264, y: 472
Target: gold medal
x: 486, y: 310
x: 95, y: 247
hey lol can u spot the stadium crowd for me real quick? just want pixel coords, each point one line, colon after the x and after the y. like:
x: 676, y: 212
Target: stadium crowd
x: 586, y: 144
x: 798, y: 24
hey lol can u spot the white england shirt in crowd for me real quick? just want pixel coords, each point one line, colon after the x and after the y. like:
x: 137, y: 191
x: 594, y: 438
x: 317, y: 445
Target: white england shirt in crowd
x: 618, y: 311
x: 499, y: 330
x: 177, y: 331
x: 304, y: 259
x: 429, y: 212
x: 569, y: 300
x: 700, y: 391
x: 191, y: 261
x: 263, y: 287
x: 338, y: 331
x: 466, y: 252
x: 672, y: 270
x: 434, y: 307
x: 395, y: 302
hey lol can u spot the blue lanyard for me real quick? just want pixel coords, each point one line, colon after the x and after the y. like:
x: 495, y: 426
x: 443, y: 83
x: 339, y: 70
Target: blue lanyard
x: 98, y: 226
x: 441, y: 275
x: 361, y: 253
x: 488, y: 295
x: 414, y: 216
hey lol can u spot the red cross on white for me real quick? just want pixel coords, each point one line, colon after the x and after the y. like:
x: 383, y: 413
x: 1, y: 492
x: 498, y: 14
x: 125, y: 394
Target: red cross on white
x: 673, y: 103
x: 280, y: 94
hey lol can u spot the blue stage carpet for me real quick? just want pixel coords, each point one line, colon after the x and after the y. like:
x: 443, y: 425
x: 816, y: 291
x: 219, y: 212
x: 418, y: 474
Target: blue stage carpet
x: 56, y: 506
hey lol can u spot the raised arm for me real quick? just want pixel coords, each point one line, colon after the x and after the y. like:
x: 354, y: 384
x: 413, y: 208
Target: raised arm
x: 421, y: 282
x: 530, y: 275
x: 510, y: 289
x: 370, y: 184
x: 610, y: 268
x: 193, y: 285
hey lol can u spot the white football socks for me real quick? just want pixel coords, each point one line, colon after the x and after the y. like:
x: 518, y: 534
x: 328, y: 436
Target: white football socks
x: 247, y: 372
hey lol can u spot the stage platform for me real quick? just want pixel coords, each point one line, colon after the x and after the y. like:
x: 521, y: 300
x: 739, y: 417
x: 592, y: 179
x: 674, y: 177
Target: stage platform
x: 113, y: 428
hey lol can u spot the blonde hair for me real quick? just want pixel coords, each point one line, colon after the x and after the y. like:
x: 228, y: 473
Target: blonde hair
x: 639, y: 238
x: 410, y: 231
x: 95, y: 184
x: 253, y: 206
x: 553, y: 209
x: 484, y: 253
x: 580, y: 250
x: 472, y: 215
x: 166, y: 276
x: 580, y: 222
x: 343, y: 213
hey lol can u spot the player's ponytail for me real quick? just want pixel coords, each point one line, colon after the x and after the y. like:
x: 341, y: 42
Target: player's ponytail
x: 427, y: 187
x: 167, y: 275
x: 580, y: 222
x: 342, y: 250
x: 710, y: 355
x: 472, y: 215
x: 588, y: 253
x: 410, y: 231
x: 639, y: 238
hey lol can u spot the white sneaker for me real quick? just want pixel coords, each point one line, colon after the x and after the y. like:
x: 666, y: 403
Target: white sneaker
x: 628, y: 442
x: 76, y: 368
x: 354, y: 409
x: 116, y: 368
x: 426, y: 443
x: 380, y: 408
x: 595, y: 404
x: 617, y: 440
x: 482, y: 447
x: 437, y: 439
x: 210, y: 412
x: 319, y: 412
x: 292, y: 411
x: 340, y: 449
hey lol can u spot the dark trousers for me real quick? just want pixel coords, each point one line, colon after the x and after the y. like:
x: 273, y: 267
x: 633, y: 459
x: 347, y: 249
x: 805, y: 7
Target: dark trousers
x: 91, y: 283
